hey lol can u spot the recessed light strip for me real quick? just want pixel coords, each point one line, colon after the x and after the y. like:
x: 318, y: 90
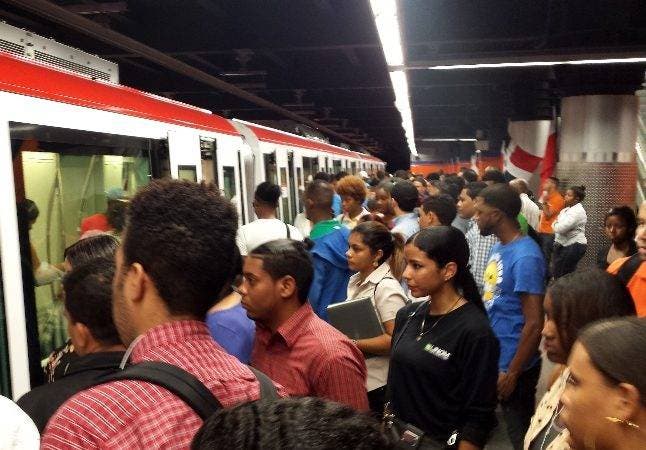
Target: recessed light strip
x: 388, y: 27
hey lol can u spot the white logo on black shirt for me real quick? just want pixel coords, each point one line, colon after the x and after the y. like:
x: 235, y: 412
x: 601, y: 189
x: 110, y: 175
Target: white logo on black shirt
x: 437, y: 352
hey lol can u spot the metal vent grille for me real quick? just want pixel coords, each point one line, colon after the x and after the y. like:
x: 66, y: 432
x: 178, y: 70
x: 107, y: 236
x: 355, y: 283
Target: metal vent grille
x: 70, y: 65
x: 12, y: 47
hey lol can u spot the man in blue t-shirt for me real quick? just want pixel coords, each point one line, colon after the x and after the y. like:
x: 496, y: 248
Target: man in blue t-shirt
x: 513, y: 295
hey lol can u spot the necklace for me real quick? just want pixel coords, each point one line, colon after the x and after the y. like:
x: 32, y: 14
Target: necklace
x: 550, y: 426
x: 421, y: 328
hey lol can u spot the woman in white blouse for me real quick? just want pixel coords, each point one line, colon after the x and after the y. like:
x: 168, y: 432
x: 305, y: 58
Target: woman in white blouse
x: 570, y: 242
x: 377, y: 256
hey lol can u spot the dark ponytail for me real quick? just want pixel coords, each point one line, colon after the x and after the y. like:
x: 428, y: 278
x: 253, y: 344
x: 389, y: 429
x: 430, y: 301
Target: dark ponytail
x: 377, y: 237
x: 445, y: 244
x: 578, y: 191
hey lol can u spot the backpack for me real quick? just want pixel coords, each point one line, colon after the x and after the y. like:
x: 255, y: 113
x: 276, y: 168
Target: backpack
x: 184, y: 385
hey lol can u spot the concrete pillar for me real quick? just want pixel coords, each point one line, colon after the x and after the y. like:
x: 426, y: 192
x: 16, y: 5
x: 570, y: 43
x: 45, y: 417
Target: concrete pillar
x: 597, y: 149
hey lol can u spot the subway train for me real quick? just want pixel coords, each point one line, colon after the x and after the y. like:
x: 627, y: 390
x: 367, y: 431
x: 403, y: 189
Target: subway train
x: 68, y: 141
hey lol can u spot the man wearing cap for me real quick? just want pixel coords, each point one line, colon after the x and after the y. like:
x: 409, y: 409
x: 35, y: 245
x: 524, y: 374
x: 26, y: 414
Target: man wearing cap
x: 113, y: 218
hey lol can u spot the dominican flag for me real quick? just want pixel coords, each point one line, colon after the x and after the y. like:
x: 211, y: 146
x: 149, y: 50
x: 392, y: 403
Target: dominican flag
x: 532, y: 144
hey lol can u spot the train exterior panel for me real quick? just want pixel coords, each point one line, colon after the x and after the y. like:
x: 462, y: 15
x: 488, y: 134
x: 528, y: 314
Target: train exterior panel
x: 69, y: 144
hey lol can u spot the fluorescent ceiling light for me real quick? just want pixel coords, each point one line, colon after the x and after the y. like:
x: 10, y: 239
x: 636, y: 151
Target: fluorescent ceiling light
x: 388, y: 27
x: 387, y: 21
x: 448, y: 140
x: 402, y: 102
x: 538, y: 63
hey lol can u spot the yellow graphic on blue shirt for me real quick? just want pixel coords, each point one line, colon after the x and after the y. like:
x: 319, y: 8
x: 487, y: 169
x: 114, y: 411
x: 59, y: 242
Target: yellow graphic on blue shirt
x: 492, y: 278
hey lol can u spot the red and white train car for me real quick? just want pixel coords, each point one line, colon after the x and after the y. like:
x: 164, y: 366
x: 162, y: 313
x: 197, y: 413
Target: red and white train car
x: 66, y: 141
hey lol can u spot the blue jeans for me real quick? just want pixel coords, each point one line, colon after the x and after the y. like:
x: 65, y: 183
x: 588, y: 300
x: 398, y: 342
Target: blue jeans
x: 519, y: 407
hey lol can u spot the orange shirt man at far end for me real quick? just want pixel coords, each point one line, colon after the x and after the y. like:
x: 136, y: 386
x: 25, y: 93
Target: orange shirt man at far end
x: 551, y: 204
x: 632, y: 270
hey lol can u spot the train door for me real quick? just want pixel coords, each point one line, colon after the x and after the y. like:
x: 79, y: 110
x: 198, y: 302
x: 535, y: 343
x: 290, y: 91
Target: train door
x: 5, y: 375
x: 299, y: 177
x: 68, y: 183
x: 229, y: 176
x: 353, y: 167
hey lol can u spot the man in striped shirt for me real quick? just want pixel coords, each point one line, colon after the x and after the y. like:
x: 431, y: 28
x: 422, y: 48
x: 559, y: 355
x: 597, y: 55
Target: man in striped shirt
x: 174, y: 260
x: 293, y: 345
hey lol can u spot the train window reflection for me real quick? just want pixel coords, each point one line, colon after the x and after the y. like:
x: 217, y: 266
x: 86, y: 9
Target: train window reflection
x: 71, y: 183
x: 229, y: 187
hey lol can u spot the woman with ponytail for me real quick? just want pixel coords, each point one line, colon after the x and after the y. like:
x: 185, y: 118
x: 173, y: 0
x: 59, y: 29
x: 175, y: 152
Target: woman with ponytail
x: 444, y: 359
x: 570, y: 242
x: 377, y: 255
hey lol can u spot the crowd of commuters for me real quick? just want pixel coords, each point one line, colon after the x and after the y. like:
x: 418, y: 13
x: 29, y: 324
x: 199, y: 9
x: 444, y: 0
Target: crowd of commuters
x: 466, y: 275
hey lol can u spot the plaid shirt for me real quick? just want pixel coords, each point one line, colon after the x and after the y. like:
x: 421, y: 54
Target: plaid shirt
x: 311, y: 358
x: 136, y: 414
x: 479, y: 251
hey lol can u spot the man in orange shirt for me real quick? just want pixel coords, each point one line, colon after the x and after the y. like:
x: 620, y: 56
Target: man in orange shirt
x: 551, y: 203
x: 632, y: 270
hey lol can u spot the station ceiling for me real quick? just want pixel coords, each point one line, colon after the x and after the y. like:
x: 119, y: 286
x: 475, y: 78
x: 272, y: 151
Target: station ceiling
x: 322, y: 59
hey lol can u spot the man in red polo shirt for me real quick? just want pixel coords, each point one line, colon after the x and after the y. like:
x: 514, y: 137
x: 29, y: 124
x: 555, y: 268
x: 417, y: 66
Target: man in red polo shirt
x: 293, y: 345
x: 175, y: 258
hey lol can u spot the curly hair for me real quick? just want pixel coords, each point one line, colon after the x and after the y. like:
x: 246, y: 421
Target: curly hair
x: 291, y: 423
x: 183, y: 234
x: 352, y: 186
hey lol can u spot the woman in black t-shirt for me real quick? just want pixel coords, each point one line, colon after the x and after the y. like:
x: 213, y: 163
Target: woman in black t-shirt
x: 444, y: 360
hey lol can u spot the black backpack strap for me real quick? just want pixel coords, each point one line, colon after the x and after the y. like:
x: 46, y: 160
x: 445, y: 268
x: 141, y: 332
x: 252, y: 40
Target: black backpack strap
x: 289, y: 234
x: 178, y: 381
x: 267, y: 387
x: 184, y: 385
x: 628, y: 269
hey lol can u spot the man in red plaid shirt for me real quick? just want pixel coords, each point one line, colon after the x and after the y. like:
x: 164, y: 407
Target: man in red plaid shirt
x: 174, y: 261
x: 293, y: 345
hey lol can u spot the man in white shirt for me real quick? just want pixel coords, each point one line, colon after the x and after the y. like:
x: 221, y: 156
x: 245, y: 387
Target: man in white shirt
x: 267, y: 227
x: 529, y: 209
x: 17, y: 430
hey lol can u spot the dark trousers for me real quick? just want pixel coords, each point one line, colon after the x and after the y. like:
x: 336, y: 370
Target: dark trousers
x: 547, y: 245
x: 518, y: 408
x: 565, y: 259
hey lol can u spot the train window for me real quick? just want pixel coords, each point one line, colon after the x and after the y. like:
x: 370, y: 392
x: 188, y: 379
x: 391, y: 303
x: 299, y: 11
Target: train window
x: 353, y: 169
x: 336, y: 166
x: 68, y: 183
x: 208, y: 149
x: 188, y: 173
x: 271, y: 173
x: 5, y: 384
x: 229, y: 175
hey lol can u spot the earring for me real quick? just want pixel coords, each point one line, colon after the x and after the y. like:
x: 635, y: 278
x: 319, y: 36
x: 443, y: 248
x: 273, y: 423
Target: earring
x: 375, y: 264
x: 623, y: 422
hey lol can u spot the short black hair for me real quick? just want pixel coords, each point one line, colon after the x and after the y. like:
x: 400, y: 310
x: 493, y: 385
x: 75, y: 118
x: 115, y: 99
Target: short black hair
x: 474, y: 188
x: 494, y: 175
x: 321, y: 193
x: 433, y: 176
x: 183, y: 234
x: 86, y: 249
x: 504, y: 198
x: 406, y: 195
x: 323, y: 176
x: 339, y: 175
x: 32, y: 209
x: 627, y: 214
x: 442, y: 206
x: 582, y: 297
x: 469, y: 175
x: 555, y: 180
x: 284, y: 257
x: 578, y: 191
x: 403, y: 174
x: 268, y: 193
x: 291, y: 423
x: 88, y: 298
